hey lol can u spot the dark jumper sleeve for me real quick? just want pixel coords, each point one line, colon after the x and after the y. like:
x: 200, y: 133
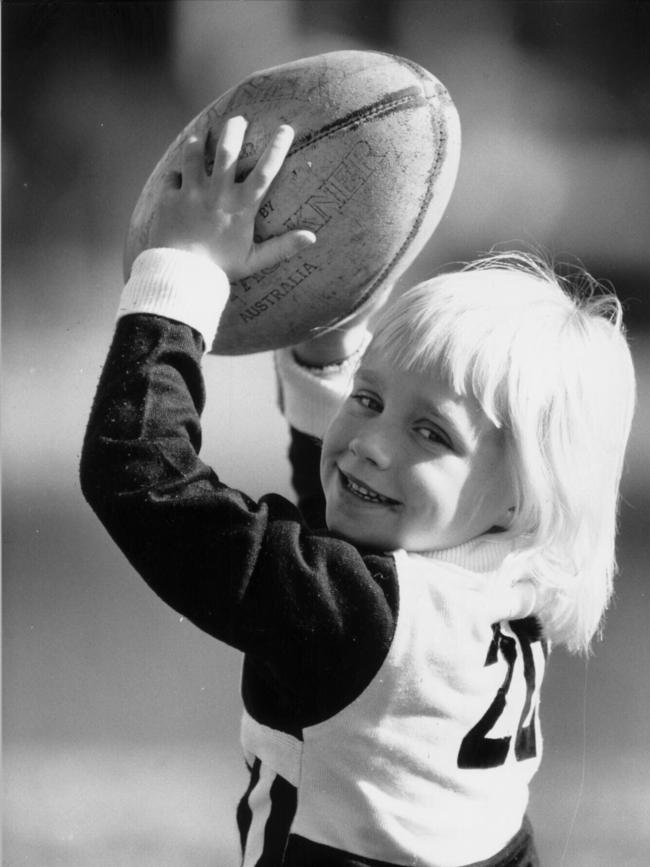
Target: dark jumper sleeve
x: 303, y: 606
x: 304, y: 457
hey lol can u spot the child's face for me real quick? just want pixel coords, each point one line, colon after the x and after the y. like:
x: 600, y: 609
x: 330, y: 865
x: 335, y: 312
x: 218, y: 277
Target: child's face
x: 408, y: 463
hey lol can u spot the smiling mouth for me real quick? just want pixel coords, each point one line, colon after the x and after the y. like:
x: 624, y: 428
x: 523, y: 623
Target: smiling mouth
x: 363, y: 493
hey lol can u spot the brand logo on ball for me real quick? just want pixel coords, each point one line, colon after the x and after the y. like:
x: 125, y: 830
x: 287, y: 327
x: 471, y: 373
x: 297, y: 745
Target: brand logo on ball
x: 335, y: 192
x: 331, y: 196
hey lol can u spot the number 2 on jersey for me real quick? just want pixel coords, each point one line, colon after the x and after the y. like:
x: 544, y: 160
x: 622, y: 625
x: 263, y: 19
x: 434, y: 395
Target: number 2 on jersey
x: 477, y: 750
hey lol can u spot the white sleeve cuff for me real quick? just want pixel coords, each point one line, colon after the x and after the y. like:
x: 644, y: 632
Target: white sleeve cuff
x: 311, y: 396
x: 179, y: 285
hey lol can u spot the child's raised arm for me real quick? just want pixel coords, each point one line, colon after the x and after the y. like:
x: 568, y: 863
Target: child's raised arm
x: 250, y: 574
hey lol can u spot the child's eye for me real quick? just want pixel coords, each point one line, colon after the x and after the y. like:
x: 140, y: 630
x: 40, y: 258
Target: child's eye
x: 434, y: 435
x: 366, y: 400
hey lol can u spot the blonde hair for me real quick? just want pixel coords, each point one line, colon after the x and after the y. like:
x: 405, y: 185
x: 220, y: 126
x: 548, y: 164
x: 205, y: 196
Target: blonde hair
x: 548, y: 361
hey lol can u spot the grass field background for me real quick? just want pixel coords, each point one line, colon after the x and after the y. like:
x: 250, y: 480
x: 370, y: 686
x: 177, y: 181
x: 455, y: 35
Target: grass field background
x: 173, y: 805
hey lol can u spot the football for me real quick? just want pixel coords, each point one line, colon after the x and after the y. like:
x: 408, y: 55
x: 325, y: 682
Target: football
x: 370, y: 172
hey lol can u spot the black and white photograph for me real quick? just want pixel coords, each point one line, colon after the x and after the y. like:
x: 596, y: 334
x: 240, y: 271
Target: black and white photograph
x: 325, y: 416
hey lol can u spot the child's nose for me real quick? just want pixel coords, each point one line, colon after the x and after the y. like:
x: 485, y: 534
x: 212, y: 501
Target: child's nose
x: 371, y: 446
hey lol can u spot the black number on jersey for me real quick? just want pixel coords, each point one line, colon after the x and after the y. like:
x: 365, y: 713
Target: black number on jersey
x: 477, y: 750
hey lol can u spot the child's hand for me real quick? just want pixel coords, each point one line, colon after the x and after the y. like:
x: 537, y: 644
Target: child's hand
x: 214, y: 216
x: 341, y: 341
x: 520, y: 600
x: 511, y: 602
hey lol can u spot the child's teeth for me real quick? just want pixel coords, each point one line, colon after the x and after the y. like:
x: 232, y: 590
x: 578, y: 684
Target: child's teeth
x: 360, y: 491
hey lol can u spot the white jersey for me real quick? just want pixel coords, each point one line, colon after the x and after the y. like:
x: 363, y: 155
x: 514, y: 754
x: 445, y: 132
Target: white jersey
x: 430, y: 765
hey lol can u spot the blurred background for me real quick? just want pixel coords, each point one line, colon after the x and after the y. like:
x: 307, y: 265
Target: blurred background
x: 120, y: 719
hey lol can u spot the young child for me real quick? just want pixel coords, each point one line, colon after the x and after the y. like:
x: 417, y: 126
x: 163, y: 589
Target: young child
x: 468, y: 483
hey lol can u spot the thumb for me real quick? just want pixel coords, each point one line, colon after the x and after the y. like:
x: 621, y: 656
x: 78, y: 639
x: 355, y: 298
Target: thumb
x: 524, y: 599
x: 513, y: 602
x: 277, y: 249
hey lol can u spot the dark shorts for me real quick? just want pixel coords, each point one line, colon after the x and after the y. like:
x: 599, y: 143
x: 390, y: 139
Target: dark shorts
x: 520, y: 852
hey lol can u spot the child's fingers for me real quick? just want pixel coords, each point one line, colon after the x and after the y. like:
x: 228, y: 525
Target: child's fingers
x: 270, y: 163
x: 524, y: 599
x: 363, y: 315
x: 193, y: 162
x: 227, y: 150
